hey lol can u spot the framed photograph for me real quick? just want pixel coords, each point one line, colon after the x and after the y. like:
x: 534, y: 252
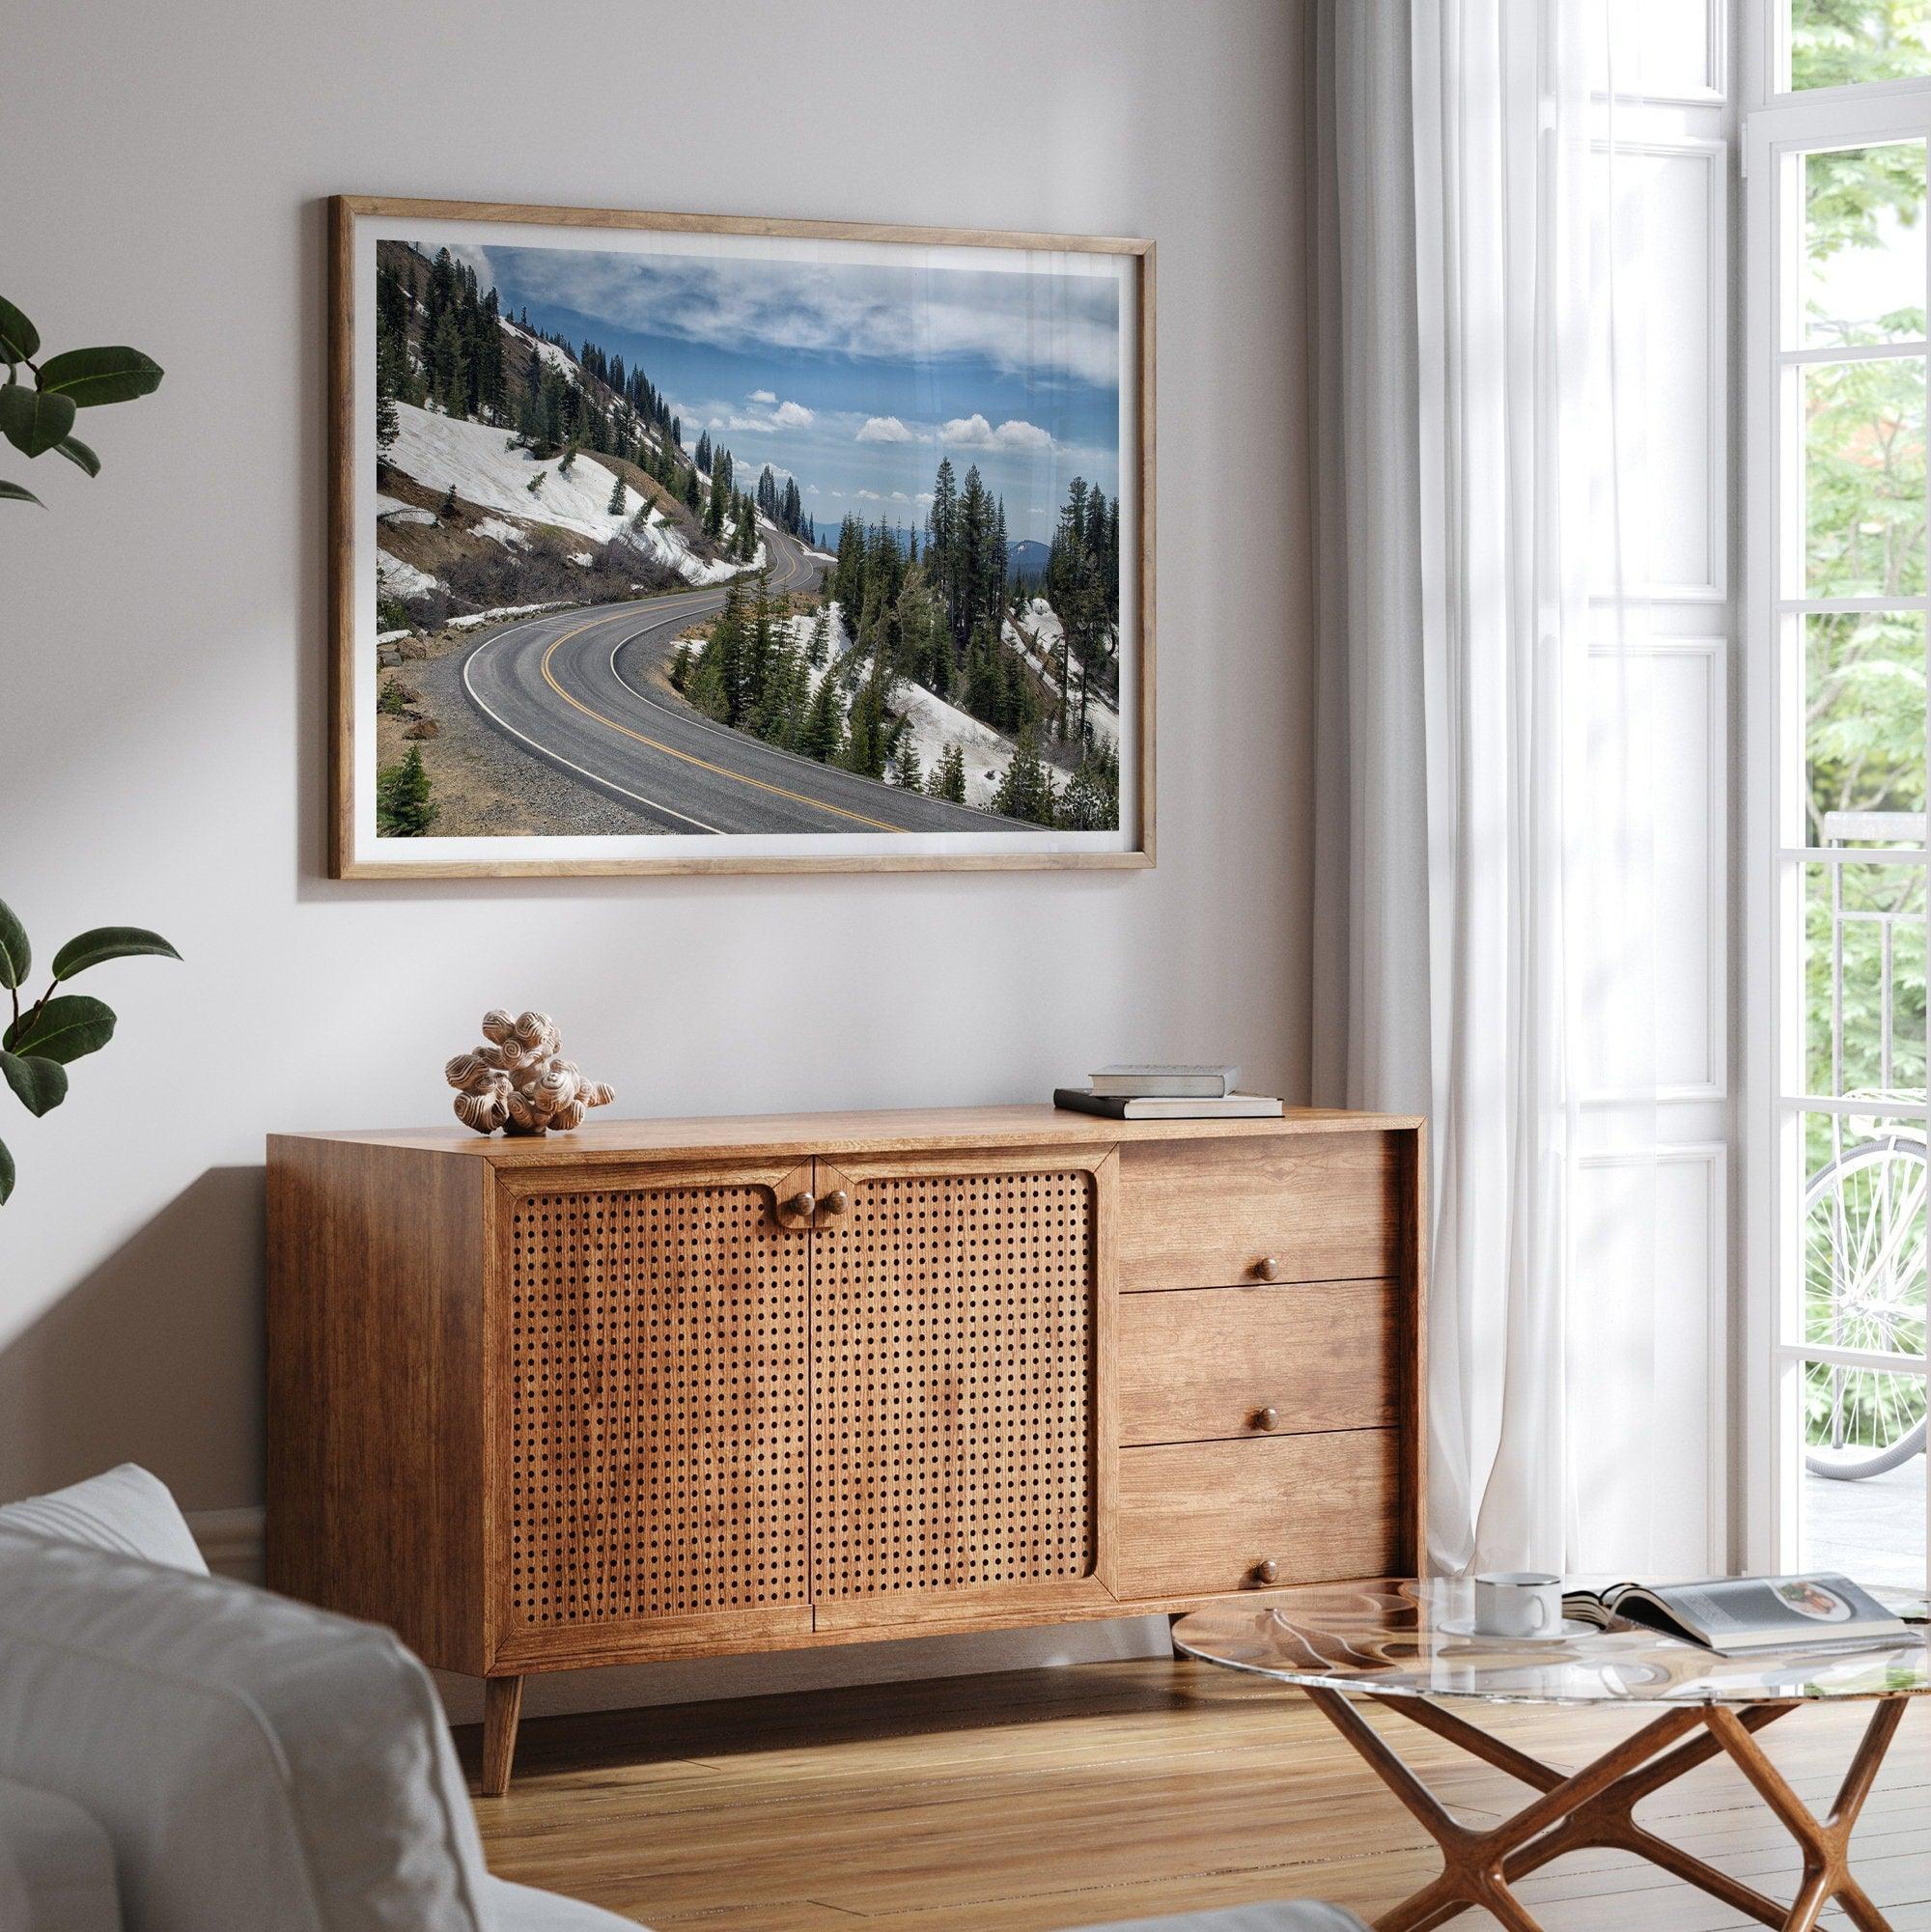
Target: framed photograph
x: 670, y: 543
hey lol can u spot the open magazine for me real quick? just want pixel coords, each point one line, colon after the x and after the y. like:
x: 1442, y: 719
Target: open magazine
x: 1736, y: 1616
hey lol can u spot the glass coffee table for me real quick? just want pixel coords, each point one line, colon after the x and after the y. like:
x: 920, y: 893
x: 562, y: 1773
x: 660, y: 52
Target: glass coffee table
x: 1408, y: 1646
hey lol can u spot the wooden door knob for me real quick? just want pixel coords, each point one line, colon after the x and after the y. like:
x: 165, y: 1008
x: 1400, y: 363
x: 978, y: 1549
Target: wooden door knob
x: 1268, y: 1268
x: 1267, y: 1419
x: 801, y: 1205
x: 836, y: 1201
x: 1267, y: 1571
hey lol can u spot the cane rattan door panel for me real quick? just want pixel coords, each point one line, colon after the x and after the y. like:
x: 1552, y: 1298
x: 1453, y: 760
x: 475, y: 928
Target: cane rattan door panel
x: 954, y: 1383
x: 659, y: 1357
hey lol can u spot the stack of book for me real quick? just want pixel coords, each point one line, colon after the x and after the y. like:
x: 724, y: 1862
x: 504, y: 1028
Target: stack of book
x: 1166, y: 1093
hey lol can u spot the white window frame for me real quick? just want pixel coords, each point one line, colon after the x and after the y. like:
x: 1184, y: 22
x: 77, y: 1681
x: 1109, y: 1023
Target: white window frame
x: 1778, y: 127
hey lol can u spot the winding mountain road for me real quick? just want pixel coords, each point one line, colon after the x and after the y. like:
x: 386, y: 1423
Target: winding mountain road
x: 575, y: 687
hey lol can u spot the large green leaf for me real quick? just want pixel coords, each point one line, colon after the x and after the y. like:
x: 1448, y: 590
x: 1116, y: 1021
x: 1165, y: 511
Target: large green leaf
x: 20, y: 341
x: 108, y: 943
x: 77, y: 452
x: 33, y: 420
x: 6, y: 1174
x: 12, y: 492
x: 17, y: 957
x: 62, y: 1029
x: 41, y: 1084
x: 91, y: 377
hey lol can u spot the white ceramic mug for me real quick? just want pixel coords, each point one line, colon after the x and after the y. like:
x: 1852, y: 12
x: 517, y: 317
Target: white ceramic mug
x: 1517, y: 1603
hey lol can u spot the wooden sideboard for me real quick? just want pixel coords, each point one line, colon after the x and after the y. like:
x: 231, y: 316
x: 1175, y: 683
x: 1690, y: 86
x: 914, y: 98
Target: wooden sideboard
x: 672, y: 1388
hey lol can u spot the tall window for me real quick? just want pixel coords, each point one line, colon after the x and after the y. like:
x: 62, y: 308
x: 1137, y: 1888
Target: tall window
x: 1836, y: 357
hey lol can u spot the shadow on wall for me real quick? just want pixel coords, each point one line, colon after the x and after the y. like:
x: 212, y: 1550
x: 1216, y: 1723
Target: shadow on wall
x: 156, y: 1357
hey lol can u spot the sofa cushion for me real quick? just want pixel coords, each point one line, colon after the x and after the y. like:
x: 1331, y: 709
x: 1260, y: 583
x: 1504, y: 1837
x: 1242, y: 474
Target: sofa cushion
x: 125, y: 1509
x: 245, y: 1755
x: 1294, y: 1915
x: 519, y: 1908
x: 56, y: 1865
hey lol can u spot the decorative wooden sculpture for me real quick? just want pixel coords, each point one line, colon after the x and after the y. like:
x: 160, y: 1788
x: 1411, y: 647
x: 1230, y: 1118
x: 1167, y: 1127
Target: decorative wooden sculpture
x: 518, y: 1079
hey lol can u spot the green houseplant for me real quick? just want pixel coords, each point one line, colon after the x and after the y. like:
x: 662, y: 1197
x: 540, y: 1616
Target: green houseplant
x: 46, y: 1035
x: 39, y: 416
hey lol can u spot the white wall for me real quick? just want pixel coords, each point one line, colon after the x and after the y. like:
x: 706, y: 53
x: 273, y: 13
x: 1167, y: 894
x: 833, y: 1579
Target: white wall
x: 162, y: 724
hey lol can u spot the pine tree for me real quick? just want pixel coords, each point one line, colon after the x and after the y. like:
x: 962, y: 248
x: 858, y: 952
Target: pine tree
x: 714, y: 512
x: 948, y: 779
x: 728, y: 642
x: 761, y: 646
x: 1025, y: 790
x: 388, y: 374
x: 821, y: 639
x: 823, y: 730
x: 867, y: 742
x: 403, y: 808
x: 942, y: 525
x: 984, y: 684
x: 904, y: 758
x: 691, y: 495
x: 569, y: 458
x: 449, y: 501
x: 1091, y: 801
x: 616, y: 504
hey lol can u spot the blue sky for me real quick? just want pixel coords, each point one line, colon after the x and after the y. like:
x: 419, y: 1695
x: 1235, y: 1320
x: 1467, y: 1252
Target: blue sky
x: 856, y: 379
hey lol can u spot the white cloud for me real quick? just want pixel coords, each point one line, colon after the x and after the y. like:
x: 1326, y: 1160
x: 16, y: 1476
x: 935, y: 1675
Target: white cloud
x: 924, y: 497
x: 762, y: 395
x: 785, y: 416
x: 868, y: 496
x: 1054, y: 324
x: 885, y: 430
x: 975, y: 432
x: 898, y: 496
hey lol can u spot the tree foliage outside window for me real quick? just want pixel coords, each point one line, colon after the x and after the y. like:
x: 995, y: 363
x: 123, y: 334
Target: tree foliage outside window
x: 1863, y: 482
x: 1850, y: 42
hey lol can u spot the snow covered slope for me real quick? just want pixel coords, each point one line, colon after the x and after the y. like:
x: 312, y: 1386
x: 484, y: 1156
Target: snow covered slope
x: 482, y: 463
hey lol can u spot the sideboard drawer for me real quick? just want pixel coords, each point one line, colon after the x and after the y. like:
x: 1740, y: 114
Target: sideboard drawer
x: 1307, y: 1207
x: 1200, y: 1518
x: 1288, y: 1359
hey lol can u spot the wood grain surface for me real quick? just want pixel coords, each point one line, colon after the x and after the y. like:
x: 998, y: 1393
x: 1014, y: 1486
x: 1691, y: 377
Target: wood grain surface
x: 1031, y: 1802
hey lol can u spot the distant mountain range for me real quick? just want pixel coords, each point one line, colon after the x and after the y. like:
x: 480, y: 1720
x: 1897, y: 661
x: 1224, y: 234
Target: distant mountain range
x: 1026, y: 559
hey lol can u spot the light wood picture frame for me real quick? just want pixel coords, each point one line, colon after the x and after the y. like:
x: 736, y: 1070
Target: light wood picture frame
x: 674, y: 543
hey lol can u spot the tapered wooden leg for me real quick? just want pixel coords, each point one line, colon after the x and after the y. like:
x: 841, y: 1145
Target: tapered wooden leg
x: 502, y: 1706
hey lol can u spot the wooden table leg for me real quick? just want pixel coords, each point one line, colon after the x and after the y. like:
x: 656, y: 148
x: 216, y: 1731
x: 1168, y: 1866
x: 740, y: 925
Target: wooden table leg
x: 502, y: 1706
x: 1609, y: 1822
x: 1595, y: 1807
x: 1474, y: 1864
x: 1826, y: 1843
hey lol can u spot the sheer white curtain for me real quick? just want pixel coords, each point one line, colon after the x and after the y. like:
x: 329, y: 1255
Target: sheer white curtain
x: 1482, y: 893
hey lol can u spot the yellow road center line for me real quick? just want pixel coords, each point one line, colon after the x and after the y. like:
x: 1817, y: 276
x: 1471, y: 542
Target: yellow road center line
x: 689, y: 758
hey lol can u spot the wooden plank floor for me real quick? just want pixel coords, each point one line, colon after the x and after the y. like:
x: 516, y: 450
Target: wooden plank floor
x: 1050, y: 1798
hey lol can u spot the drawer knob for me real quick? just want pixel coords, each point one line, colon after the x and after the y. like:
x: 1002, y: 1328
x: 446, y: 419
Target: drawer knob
x: 1268, y: 1419
x: 801, y: 1205
x: 1268, y: 1268
x: 836, y: 1201
x: 1267, y: 1571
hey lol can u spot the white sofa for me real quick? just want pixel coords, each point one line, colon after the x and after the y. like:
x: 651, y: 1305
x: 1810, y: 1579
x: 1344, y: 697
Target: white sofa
x: 183, y: 1754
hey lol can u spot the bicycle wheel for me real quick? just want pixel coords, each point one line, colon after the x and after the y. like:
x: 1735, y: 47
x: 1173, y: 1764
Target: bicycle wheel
x: 1864, y: 1289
